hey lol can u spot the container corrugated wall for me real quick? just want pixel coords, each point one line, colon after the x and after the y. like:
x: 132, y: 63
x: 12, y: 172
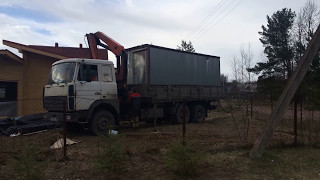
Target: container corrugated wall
x: 172, y: 67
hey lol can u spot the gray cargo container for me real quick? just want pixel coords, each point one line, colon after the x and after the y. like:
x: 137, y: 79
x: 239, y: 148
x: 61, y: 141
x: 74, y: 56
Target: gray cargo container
x: 171, y: 75
x: 166, y: 78
x: 154, y: 65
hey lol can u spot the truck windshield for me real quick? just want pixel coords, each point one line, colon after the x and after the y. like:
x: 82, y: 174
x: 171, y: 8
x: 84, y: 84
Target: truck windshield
x: 61, y: 73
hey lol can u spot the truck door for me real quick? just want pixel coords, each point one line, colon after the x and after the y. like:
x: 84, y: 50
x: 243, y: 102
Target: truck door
x: 87, y: 86
x: 108, y: 82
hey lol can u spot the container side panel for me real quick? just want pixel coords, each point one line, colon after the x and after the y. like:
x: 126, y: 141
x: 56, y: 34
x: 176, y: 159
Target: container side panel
x: 179, y: 68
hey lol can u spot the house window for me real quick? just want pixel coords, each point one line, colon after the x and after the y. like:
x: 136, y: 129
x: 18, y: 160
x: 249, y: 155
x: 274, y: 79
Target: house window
x: 8, y: 91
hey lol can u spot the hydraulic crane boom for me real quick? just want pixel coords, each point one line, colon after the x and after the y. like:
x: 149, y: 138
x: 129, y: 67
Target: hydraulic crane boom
x: 115, y: 47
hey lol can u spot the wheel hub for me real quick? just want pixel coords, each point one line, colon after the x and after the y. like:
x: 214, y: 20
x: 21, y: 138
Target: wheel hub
x: 199, y: 114
x: 103, y: 123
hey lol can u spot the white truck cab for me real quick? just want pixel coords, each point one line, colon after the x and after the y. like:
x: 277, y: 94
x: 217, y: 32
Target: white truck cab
x: 82, y: 85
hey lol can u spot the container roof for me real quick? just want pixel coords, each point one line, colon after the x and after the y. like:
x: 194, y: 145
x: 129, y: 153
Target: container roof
x: 170, y: 49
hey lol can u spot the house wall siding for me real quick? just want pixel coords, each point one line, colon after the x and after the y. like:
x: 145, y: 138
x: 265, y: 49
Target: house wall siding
x: 36, y: 71
x: 12, y: 71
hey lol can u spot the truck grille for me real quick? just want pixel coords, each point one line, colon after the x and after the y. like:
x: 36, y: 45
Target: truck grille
x: 55, y: 103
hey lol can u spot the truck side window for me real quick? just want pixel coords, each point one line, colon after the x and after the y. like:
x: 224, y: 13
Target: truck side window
x: 88, y: 73
x: 2, y: 93
x: 106, y: 73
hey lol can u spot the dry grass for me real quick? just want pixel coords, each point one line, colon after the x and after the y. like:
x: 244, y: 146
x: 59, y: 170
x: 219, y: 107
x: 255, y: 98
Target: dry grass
x: 227, y: 156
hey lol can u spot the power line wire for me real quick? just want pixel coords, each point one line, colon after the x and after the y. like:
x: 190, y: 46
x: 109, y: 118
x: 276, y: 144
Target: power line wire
x: 220, y: 19
x: 206, y: 18
x: 213, y: 20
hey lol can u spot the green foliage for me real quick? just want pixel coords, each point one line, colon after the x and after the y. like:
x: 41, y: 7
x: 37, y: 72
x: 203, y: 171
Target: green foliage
x: 284, y: 46
x: 308, y: 20
x: 270, y: 87
x: 278, y: 46
x: 306, y: 24
x: 310, y: 88
x: 184, y: 160
x: 315, y: 66
x: 239, y: 110
x: 26, y: 164
x: 111, y: 159
x: 310, y: 132
x: 280, y: 51
x: 188, y: 47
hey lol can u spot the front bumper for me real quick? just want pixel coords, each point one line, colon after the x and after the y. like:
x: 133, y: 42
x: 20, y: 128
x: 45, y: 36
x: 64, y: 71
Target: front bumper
x: 58, y: 117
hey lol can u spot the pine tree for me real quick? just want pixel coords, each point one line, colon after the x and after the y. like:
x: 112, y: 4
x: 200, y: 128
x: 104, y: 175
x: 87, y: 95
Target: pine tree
x: 186, y: 46
x: 278, y: 46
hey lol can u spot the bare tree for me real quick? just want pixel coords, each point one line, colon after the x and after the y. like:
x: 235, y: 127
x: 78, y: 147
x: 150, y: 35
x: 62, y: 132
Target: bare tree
x: 223, y: 79
x: 235, y: 68
x: 241, y: 75
x: 247, y: 57
x: 308, y: 19
x: 241, y: 65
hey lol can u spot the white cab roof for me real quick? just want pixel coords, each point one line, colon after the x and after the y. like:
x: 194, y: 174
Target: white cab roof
x: 89, y: 61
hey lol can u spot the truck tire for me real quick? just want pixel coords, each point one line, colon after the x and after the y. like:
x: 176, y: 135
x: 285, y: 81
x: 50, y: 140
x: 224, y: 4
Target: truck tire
x: 198, y: 113
x: 102, y: 122
x: 179, y: 114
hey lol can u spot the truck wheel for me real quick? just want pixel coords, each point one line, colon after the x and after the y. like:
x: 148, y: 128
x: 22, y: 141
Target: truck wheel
x: 198, y: 113
x: 102, y: 122
x: 179, y: 114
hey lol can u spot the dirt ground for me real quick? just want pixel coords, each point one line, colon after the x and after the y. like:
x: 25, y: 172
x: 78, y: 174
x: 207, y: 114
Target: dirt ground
x: 226, y: 154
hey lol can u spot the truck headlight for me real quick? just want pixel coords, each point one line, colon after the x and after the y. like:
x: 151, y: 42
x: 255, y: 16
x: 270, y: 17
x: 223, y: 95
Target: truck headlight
x: 68, y: 117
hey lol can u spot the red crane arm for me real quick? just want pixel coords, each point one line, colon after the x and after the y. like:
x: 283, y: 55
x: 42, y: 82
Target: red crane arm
x: 115, y: 48
x: 112, y: 45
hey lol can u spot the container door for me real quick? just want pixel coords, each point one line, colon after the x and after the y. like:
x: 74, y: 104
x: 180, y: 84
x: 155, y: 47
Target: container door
x: 137, y: 67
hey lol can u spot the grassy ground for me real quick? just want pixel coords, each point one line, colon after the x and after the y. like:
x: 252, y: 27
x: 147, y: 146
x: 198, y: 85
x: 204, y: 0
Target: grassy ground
x: 226, y: 155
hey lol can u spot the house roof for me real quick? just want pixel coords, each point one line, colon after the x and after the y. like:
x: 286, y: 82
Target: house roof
x: 57, y: 52
x: 6, y: 54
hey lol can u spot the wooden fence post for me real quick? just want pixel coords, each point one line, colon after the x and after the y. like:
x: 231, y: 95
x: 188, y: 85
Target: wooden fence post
x: 64, y: 131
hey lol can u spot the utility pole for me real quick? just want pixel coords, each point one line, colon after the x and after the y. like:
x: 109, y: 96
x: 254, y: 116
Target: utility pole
x: 286, y: 96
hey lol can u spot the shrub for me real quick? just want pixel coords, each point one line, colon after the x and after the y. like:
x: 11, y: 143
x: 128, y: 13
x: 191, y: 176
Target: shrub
x: 184, y: 159
x: 26, y: 165
x: 111, y: 158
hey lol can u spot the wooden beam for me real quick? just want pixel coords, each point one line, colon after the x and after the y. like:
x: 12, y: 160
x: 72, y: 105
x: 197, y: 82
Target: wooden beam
x: 11, y: 55
x: 22, y: 47
x: 286, y: 96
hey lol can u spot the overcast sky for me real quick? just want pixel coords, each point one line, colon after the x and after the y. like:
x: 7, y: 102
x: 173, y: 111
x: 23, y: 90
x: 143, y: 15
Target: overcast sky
x: 215, y: 27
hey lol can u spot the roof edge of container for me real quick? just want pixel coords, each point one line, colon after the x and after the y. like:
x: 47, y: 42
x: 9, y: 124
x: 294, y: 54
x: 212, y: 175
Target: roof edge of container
x: 160, y: 47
